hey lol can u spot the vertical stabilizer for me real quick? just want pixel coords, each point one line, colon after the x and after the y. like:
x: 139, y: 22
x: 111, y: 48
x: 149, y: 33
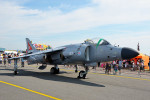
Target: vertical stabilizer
x: 30, y: 47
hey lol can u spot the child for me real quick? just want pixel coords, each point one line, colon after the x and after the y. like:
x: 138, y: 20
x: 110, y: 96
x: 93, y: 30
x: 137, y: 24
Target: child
x: 116, y: 69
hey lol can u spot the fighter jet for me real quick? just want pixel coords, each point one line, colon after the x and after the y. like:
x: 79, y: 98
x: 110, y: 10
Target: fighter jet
x: 89, y: 53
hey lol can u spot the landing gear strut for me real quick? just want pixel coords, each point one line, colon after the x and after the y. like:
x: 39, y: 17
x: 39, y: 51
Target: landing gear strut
x: 76, y: 68
x: 54, y: 70
x: 82, y: 74
x: 15, y: 66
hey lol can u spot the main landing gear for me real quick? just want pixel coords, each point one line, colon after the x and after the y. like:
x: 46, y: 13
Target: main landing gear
x: 82, y: 74
x: 54, y: 70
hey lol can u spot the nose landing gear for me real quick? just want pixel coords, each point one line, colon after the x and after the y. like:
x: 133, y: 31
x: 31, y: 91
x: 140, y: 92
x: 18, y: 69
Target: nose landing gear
x: 82, y: 74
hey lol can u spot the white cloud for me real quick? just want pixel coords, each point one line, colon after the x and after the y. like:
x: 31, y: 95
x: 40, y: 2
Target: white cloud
x: 16, y: 19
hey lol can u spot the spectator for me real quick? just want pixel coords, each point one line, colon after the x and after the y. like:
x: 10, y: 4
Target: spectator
x: 126, y: 64
x: 1, y: 59
x: 9, y: 61
x: 139, y: 68
x: 108, y: 67
x: 142, y: 65
x: 114, y: 64
x: 22, y: 62
x: 149, y: 64
x: 115, y: 69
x: 120, y: 66
x: 138, y: 65
x: 133, y: 66
x: 4, y: 58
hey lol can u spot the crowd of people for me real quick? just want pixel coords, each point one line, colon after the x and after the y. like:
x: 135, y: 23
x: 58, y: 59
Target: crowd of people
x: 122, y: 64
x: 115, y: 67
x: 6, y: 58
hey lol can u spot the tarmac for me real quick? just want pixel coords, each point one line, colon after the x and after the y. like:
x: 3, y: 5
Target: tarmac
x: 34, y: 84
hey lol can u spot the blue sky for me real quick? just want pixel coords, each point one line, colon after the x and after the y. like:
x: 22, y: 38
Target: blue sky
x: 61, y: 22
x: 65, y: 5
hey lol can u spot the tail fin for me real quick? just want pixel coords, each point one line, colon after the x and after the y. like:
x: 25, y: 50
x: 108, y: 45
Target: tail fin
x: 30, y: 47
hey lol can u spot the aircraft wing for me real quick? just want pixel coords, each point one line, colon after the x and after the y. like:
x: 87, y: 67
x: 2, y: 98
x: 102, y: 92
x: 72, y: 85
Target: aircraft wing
x: 40, y: 52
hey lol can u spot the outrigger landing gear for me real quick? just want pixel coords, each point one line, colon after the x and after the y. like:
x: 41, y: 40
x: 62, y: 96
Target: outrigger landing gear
x: 82, y: 74
x: 15, y: 66
x: 54, y: 70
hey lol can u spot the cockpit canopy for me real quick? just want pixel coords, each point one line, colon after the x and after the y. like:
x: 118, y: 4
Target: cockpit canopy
x: 97, y: 41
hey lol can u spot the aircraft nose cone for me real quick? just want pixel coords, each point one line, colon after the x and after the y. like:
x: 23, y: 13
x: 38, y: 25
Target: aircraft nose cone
x: 128, y: 53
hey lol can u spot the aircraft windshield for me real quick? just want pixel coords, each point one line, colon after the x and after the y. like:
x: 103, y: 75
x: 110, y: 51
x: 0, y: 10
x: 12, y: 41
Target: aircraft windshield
x: 97, y: 41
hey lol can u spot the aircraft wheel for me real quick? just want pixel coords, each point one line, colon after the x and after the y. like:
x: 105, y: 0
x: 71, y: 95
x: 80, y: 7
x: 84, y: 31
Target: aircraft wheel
x: 57, y: 71
x: 15, y: 72
x: 52, y: 71
x: 82, y: 74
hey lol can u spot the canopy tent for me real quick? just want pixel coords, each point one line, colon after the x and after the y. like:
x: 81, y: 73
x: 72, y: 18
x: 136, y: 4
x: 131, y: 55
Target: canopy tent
x: 145, y: 58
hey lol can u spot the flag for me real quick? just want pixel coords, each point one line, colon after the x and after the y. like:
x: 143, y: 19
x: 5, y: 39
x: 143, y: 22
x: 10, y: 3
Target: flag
x: 138, y: 47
